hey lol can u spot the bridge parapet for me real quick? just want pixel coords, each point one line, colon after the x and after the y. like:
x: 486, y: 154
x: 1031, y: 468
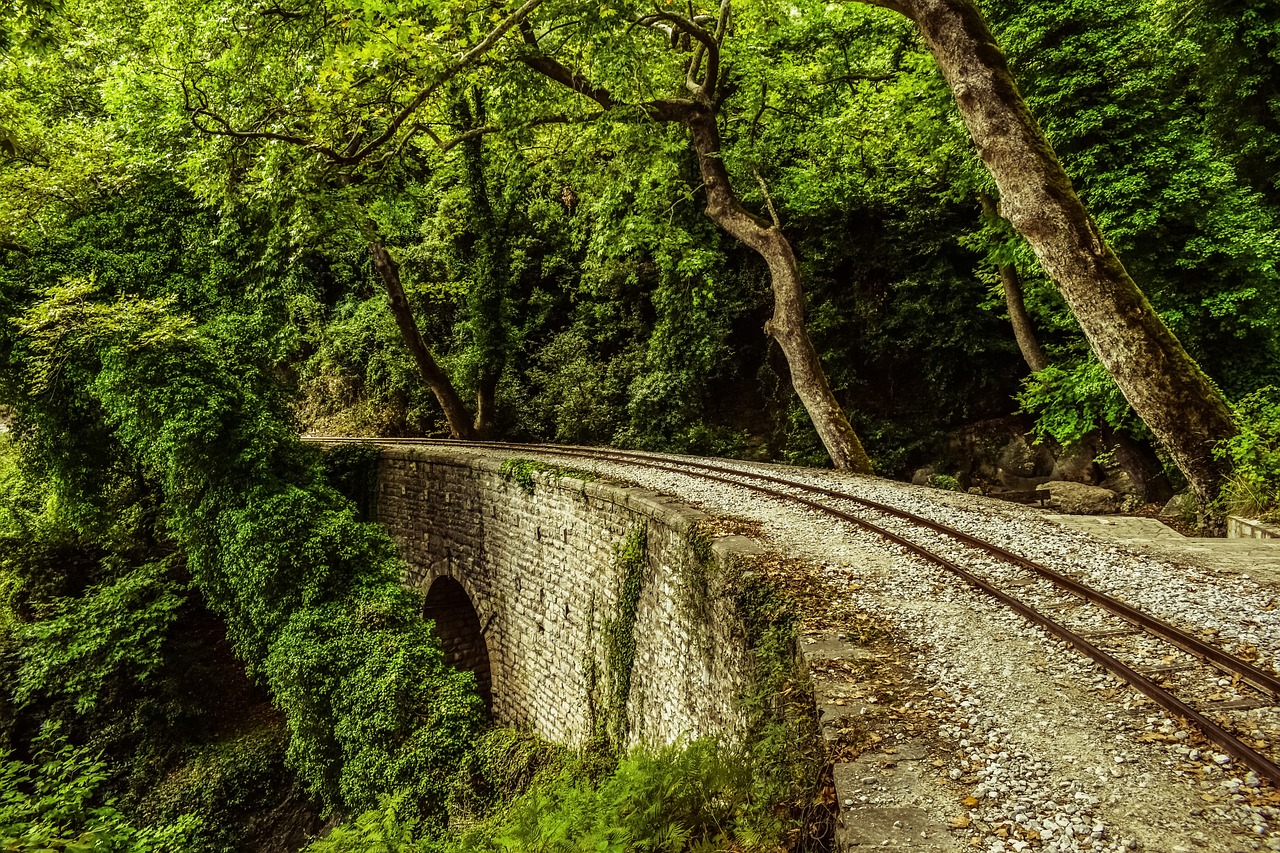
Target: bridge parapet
x: 605, y: 609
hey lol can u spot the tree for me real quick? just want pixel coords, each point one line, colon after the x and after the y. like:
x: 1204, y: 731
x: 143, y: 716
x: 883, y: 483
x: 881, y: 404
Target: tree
x: 699, y: 113
x: 1165, y: 387
x: 351, y: 129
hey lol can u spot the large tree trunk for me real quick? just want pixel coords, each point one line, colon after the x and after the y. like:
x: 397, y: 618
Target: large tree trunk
x: 1165, y: 387
x: 787, y: 324
x: 1023, y: 331
x: 490, y: 271
x: 486, y: 407
x: 455, y: 412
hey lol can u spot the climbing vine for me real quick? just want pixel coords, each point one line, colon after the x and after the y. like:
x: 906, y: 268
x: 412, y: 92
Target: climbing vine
x: 632, y: 557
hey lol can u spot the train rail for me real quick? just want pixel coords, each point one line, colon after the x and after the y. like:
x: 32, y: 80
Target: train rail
x: 1089, y: 634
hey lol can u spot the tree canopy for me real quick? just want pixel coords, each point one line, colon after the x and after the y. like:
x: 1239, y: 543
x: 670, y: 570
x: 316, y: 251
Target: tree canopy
x: 814, y: 232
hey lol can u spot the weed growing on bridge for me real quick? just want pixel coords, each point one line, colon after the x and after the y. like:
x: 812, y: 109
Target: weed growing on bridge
x: 520, y: 472
x: 632, y: 555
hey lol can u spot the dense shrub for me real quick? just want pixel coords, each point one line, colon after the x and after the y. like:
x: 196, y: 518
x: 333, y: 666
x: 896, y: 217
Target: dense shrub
x: 54, y: 804
x: 1254, y: 455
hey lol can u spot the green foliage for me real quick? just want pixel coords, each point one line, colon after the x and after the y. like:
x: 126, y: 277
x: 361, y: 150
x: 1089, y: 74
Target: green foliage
x: 697, y: 798
x: 390, y: 828
x: 352, y: 469
x: 116, y: 629
x: 521, y: 471
x: 503, y: 764
x: 1254, y: 456
x: 1068, y: 405
x: 311, y: 596
x: 358, y: 378
x: 1238, y: 69
x: 54, y: 805
x: 225, y: 786
x: 945, y: 482
x: 619, y: 635
x: 1119, y: 101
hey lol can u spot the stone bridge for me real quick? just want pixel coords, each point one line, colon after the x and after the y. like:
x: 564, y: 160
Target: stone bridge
x: 585, y: 608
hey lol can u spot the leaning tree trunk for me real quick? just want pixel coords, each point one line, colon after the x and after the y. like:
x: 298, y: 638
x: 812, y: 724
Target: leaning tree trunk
x: 455, y: 413
x: 787, y: 324
x: 1165, y: 387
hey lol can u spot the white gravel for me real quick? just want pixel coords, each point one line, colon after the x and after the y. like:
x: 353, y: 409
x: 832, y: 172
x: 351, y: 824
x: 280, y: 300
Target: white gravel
x: 1056, y: 752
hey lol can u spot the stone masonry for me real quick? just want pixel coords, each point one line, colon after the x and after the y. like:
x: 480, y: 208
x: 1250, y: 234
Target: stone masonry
x: 542, y: 573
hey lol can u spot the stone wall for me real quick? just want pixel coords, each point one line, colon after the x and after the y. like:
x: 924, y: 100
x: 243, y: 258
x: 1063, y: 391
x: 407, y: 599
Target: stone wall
x: 540, y: 564
x: 1249, y: 528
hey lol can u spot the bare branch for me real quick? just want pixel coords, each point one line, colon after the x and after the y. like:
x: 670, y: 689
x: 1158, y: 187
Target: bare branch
x: 722, y: 26
x: 768, y: 199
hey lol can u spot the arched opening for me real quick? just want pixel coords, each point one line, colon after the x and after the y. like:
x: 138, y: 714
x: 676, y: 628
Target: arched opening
x: 458, y: 627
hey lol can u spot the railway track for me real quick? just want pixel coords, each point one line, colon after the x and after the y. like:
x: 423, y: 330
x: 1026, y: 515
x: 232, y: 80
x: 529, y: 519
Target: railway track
x: 1172, y: 667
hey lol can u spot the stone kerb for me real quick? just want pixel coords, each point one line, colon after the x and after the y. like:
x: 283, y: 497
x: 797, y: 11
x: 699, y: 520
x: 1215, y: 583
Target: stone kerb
x: 1250, y: 528
x: 542, y: 570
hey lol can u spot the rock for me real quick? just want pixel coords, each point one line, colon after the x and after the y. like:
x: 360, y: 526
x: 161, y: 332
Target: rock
x: 1181, y: 506
x: 1121, y: 482
x: 922, y: 475
x: 1076, y: 464
x: 1081, y: 499
x: 1017, y: 458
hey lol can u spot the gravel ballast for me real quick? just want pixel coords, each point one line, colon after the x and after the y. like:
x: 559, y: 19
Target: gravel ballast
x: 1028, y: 745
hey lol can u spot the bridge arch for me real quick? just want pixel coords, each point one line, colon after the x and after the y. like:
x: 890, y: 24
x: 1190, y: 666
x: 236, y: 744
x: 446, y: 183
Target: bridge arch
x: 461, y: 633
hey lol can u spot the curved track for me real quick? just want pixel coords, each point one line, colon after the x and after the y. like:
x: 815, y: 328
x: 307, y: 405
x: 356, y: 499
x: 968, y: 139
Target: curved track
x: 1264, y: 683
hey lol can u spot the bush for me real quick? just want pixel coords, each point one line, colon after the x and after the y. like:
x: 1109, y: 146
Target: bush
x: 1253, y: 488
x: 699, y: 797
x: 54, y: 805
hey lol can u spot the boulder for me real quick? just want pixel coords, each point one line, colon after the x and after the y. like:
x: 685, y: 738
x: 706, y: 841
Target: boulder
x: 1081, y: 499
x: 1017, y: 459
x: 1121, y: 481
x: 922, y: 475
x: 1181, y: 506
x: 1076, y: 464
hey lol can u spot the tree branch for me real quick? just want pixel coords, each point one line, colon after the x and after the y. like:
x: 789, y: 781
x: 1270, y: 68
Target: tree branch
x: 707, y: 44
x: 477, y: 132
x: 353, y: 154
x: 768, y: 200
x: 554, y: 69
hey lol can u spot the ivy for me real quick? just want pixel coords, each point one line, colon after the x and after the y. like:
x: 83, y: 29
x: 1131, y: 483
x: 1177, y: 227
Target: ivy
x: 631, y: 557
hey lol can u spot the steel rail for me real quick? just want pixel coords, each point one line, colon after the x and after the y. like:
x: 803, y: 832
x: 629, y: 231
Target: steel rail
x: 1257, y: 762
x: 1259, y: 678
